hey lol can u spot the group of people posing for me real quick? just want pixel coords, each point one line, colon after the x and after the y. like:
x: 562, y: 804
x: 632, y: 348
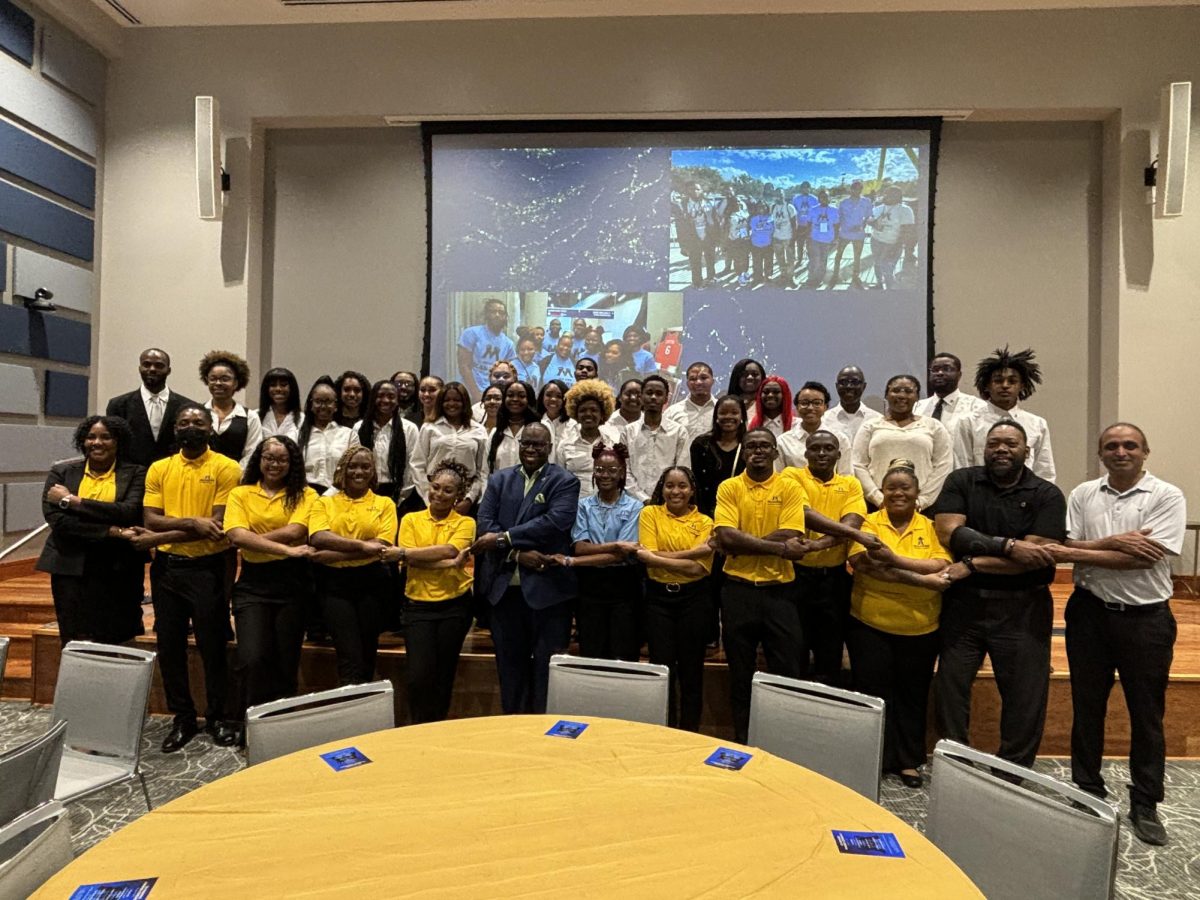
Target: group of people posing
x: 926, y: 535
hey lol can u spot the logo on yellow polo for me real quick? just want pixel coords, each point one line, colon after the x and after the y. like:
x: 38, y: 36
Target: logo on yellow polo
x: 207, y: 479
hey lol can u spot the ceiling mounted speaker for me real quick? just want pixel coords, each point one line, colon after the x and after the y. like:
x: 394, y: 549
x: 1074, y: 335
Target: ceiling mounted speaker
x: 208, y: 157
x: 1175, y: 123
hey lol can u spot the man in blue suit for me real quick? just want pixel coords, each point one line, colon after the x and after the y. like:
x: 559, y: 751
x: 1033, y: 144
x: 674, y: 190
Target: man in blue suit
x: 526, y: 516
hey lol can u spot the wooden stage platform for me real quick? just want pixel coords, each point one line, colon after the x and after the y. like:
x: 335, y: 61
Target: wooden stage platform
x: 27, y: 616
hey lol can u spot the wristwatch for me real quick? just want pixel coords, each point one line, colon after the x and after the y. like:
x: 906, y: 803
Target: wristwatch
x: 502, y: 541
x: 969, y: 562
x: 65, y: 502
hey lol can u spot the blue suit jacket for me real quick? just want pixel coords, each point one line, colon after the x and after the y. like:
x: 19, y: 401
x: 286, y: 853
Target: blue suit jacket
x: 539, y: 520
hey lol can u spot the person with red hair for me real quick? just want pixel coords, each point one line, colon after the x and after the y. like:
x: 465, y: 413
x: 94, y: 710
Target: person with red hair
x: 773, y: 406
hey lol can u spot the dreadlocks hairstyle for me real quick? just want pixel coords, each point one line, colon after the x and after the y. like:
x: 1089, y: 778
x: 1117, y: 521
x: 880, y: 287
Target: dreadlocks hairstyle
x: 294, y: 483
x: 656, y: 498
x: 619, y: 450
x: 1020, y: 362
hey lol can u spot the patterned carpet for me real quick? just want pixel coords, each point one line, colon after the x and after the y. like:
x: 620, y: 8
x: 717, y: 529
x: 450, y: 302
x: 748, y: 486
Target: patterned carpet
x: 1143, y: 873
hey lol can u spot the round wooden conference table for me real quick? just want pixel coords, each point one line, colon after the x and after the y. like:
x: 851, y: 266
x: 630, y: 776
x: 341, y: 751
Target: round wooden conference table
x: 495, y: 807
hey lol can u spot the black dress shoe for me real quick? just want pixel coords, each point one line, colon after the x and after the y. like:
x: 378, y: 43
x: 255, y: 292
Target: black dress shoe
x: 1146, y: 825
x: 181, y: 733
x: 911, y: 781
x: 225, y: 734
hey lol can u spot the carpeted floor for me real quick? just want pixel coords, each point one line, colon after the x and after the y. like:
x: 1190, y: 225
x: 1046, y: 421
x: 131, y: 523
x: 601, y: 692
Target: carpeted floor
x: 1143, y: 873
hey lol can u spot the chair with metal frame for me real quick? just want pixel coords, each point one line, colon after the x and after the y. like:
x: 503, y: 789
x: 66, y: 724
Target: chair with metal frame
x: 3, y: 660
x: 612, y: 688
x: 33, y: 847
x: 296, y: 723
x: 29, y: 773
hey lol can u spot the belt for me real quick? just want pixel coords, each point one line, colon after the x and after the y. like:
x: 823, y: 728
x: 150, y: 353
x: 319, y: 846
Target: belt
x: 675, y: 587
x: 1120, y: 607
x: 801, y: 569
x: 177, y: 559
x: 757, y: 584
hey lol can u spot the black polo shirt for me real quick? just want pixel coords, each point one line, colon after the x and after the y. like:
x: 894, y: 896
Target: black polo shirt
x: 1031, y: 506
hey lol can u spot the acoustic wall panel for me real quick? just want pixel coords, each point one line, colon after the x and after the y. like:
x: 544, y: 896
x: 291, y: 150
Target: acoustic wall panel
x: 47, y: 107
x: 3, y: 267
x: 66, y: 394
x: 29, y: 216
x: 16, y: 32
x: 18, y: 390
x: 32, y: 448
x: 23, y: 506
x: 45, y: 336
x: 68, y: 61
x: 46, y: 166
x: 71, y: 284
x: 14, y: 330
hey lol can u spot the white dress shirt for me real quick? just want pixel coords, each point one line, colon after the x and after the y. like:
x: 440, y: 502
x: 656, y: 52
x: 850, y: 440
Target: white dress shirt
x: 508, y: 454
x: 696, y: 418
x: 650, y: 451
x: 150, y: 400
x: 289, y: 427
x: 556, y: 426
x: 1097, y: 510
x: 382, y: 448
x: 619, y: 421
x: 955, y: 405
x: 323, y: 450
x: 574, y: 453
x: 924, y: 442
x: 970, y: 437
x: 848, y: 423
x: 774, y: 425
x: 254, y: 431
x: 793, y: 444
x: 440, y: 441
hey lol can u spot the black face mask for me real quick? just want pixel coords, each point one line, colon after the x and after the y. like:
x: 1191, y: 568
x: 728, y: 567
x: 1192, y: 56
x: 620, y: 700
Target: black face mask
x: 191, y: 438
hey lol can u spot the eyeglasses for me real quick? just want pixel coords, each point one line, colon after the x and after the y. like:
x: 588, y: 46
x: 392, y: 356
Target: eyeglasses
x: 221, y: 379
x: 533, y: 445
x: 607, y: 470
x: 809, y: 404
x: 850, y: 382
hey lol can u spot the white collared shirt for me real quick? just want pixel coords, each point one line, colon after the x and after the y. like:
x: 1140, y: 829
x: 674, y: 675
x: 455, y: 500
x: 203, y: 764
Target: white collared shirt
x: 848, y: 423
x: 970, y: 437
x: 289, y: 427
x: 324, y: 449
x: 924, y: 442
x: 650, y: 451
x: 619, y: 422
x: 508, y: 454
x: 956, y: 405
x: 696, y: 418
x: 1096, y: 510
x: 382, y: 448
x: 254, y: 431
x: 148, y: 400
x: 574, y: 453
x: 440, y: 441
x: 793, y: 444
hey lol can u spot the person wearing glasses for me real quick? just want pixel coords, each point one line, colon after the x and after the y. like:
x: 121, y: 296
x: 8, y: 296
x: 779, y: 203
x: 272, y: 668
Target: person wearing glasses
x: 236, y: 431
x: 812, y: 400
x: 406, y: 392
x: 850, y: 413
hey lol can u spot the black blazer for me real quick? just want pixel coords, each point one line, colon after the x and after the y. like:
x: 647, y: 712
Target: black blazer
x: 146, y: 449
x: 75, y: 531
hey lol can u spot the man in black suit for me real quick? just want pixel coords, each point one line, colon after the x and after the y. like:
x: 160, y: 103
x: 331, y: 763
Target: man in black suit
x: 526, y: 516
x: 147, y: 408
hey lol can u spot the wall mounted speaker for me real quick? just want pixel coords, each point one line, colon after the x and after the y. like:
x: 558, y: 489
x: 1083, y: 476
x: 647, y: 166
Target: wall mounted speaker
x: 208, y: 157
x: 1174, y: 127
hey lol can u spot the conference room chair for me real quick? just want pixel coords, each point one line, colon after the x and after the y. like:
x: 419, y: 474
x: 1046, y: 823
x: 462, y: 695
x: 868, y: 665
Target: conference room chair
x: 33, y: 847
x: 3, y: 660
x: 1040, y: 838
x: 29, y: 773
x: 836, y: 733
x: 296, y: 723
x: 101, y: 694
x: 615, y: 689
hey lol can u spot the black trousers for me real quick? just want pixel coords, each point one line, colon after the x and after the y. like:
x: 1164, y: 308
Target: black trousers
x: 1138, y: 644
x: 525, y: 639
x: 608, y: 610
x: 268, y: 613
x: 433, y: 639
x: 677, y: 627
x: 191, y: 590
x: 824, y: 598
x: 752, y: 615
x: 352, y: 601
x: 103, y: 604
x: 897, y: 668
x: 1013, y: 629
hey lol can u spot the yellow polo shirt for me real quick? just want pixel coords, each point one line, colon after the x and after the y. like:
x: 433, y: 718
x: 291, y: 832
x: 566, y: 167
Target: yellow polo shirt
x: 659, y: 530
x: 898, y: 608
x: 839, y: 496
x: 759, y: 508
x: 191, y: 488
x: 420, y: 529
x: 98, y: 487
x: 368, y: 517
x: 252, y: 508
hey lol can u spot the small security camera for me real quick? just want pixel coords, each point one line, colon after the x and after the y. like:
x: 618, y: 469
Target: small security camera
x: 40, y: 301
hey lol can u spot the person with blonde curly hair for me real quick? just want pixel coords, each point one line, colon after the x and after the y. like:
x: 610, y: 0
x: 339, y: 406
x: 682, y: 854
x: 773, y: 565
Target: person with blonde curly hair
x: 236, y: 431
x: 589, y: 404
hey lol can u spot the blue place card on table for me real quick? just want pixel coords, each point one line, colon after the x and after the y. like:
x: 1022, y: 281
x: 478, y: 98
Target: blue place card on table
x: 346, y: 758
x: 868, y: 843
x: 727, y: 758
x: 563, y: 728
x: 114, y: 890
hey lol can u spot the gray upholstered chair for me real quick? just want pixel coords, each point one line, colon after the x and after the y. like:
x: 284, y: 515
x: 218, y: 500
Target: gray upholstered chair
x: 296, y: 723
x: 33, y: 847
x: 634, y: 691
x: 29, y: 773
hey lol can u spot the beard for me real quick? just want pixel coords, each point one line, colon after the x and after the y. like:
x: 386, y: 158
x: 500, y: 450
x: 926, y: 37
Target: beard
x: 1004, y: 468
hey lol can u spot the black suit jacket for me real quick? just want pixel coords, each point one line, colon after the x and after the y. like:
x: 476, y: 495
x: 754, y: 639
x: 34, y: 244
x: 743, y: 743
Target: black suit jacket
x: 73, y: 532
x: 146, y: 449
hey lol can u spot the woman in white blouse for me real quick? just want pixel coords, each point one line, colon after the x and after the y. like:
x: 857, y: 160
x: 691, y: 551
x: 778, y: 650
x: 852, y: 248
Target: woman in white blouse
x: 279, y: 404
x: 589, y: 403
x: 392, y: 438
x: 515, y: 413
x: 901, y: 434
x: 452, y: 436
x: 551, y: 404
x: 322, y: 440
x: 236, y: 431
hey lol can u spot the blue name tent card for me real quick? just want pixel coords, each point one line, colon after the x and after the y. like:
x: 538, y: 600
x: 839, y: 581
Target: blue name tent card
x: 868, y: 843
x: 728, y: 758
x: 114, y: 890
x: 346, y: 758
x: 563, y: 728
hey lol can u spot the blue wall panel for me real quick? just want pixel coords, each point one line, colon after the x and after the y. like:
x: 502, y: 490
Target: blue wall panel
x: 66, y: 394
x: 3, y: 266
x: 37, y: 162
x: 29, y: 216
x: 16, y: 32
x: 44, y: 336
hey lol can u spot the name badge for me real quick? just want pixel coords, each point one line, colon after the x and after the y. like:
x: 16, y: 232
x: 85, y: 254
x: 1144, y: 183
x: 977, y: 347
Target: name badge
x: 728, y: 758
x: 868, y: 843
x: 114, y: 890
x: 346, y: 758
x: 563, y: 728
